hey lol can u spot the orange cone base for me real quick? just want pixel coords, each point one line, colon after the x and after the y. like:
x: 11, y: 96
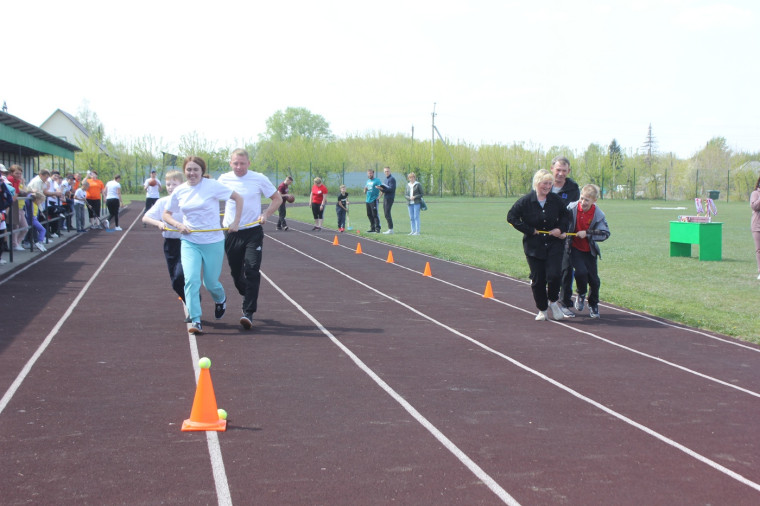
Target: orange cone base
x: 219, y: 425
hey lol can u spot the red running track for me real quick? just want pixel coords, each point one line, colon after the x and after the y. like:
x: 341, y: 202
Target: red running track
x: 362, y: 382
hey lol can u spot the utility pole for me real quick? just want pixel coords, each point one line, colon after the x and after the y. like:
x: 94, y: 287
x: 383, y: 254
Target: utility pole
x: 432, y: 142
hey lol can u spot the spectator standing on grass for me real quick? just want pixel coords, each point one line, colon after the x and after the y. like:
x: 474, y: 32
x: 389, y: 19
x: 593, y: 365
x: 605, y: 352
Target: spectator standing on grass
x: 244, y: 247
x: 372, y: 192
x: 543, y: 218
x: 152, y: 190
x: 568, y: 191
x: 94, y: 194
x: 590, y: 227
x: 80, y: 201
x: 754, y: 203
x: 7, y: 196
x: 318, y: 202
x: 202, y: 248
x: 113, y: 201
x: 341, y: 208
x: 389, y: 195
x: 172, y: 240
x: 283, y: 189
x: 413, y: 196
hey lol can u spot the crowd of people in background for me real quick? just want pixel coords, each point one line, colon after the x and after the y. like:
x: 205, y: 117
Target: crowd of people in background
x: 49, y: 204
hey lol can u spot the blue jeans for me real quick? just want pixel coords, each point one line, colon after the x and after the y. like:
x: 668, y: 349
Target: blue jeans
x: 414, y: 217
x: 205, y: 258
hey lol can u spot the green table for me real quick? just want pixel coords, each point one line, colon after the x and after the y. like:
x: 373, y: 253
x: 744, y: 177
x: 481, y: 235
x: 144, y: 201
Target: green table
x: 708, y: 236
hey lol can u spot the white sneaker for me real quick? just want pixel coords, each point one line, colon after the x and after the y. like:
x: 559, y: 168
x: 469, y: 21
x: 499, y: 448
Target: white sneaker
x: 117, y: 228
x: 541, y: 316
x: 40, y: 246
x: 758, y: 276
x: 3, y: 261
x: 389, y: 231
x: 21, y: 248
x: 107, y: 225
x: 54, y: 236
x: 557, y: 313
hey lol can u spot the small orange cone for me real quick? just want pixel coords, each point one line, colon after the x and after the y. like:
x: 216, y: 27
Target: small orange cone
x: 204, y: 415
x: 488, y: 294
x: 390, y: 257
x: 427, y: 270
x: 335, y: 241
x: 358, y: 248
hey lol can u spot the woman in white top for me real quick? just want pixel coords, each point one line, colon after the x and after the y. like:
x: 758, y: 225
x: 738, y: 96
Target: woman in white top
x: 113, y: 201
x: 202, y: 237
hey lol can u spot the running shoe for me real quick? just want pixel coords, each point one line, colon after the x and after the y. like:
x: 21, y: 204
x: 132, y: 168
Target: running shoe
x: 593, y: 311
x: 118, y: 229
x: 541, y: 316
x: 566, y: 312
x: 246, y: 320
x: 557, y: 313
x: 196, y: 328
x: 580, y: 302
x: 40, y: 246
x: 219, y: 309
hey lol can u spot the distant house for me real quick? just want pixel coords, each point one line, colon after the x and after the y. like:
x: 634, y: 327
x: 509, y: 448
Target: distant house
x: 23, y: 143
x: 66, y: 127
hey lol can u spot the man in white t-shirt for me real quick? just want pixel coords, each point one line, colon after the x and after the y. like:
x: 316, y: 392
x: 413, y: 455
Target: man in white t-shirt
x: 152, y: 190
x: 244, y: 247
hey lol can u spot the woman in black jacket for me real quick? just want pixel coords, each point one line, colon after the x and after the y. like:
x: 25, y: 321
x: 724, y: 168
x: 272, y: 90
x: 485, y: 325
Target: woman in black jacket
x: 543, y: 218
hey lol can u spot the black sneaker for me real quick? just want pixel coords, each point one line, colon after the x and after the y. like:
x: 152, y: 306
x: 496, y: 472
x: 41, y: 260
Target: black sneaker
x: 188, y: 320
x: 219, y: 309
x: 246, y: 320
x: 285, y: 228
x: 593, y: 311
x: 196, y: 328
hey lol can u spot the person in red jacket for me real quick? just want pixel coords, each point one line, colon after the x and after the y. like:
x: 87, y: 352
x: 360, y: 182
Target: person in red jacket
x: 318, y: 201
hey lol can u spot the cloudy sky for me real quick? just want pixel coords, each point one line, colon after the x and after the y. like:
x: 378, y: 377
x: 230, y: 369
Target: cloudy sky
x: 539, y: 72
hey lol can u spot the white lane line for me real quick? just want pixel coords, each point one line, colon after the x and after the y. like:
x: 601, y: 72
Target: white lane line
x: 705, y: 460
x: 224, y: 498
x: 509, y: 278
x: 598, y: 337
x: 54, y: 331
x: 446, y: 442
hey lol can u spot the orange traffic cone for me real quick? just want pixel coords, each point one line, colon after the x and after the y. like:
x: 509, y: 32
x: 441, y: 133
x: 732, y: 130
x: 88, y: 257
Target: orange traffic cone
x: 358, y: 248
x: 488, y: 294
x: 427, y: 270
x: 335, y: 241
x: 390, y: 257
x: 204, y: 415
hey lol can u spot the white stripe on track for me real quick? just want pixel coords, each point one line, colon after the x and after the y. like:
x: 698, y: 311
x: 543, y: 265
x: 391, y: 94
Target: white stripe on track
x: 49, y: 338
x: 446, y: 442
x: 701, y: 458
x: 604, y: 339
x: 510, y: 278
x: 212, y: 440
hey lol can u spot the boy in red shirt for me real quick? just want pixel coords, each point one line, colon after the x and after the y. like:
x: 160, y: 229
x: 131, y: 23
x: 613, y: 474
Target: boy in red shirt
x: 590, y: 226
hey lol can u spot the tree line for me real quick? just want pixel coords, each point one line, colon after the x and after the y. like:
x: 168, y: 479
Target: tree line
x: 299, y: 143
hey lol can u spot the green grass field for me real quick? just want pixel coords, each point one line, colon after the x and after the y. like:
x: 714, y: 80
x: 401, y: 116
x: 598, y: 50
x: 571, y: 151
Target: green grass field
x: 636, y: 269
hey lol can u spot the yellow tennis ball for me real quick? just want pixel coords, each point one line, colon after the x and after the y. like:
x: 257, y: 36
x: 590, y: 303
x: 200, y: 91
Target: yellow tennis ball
x: 222, y: 414
x: 204, y: 363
